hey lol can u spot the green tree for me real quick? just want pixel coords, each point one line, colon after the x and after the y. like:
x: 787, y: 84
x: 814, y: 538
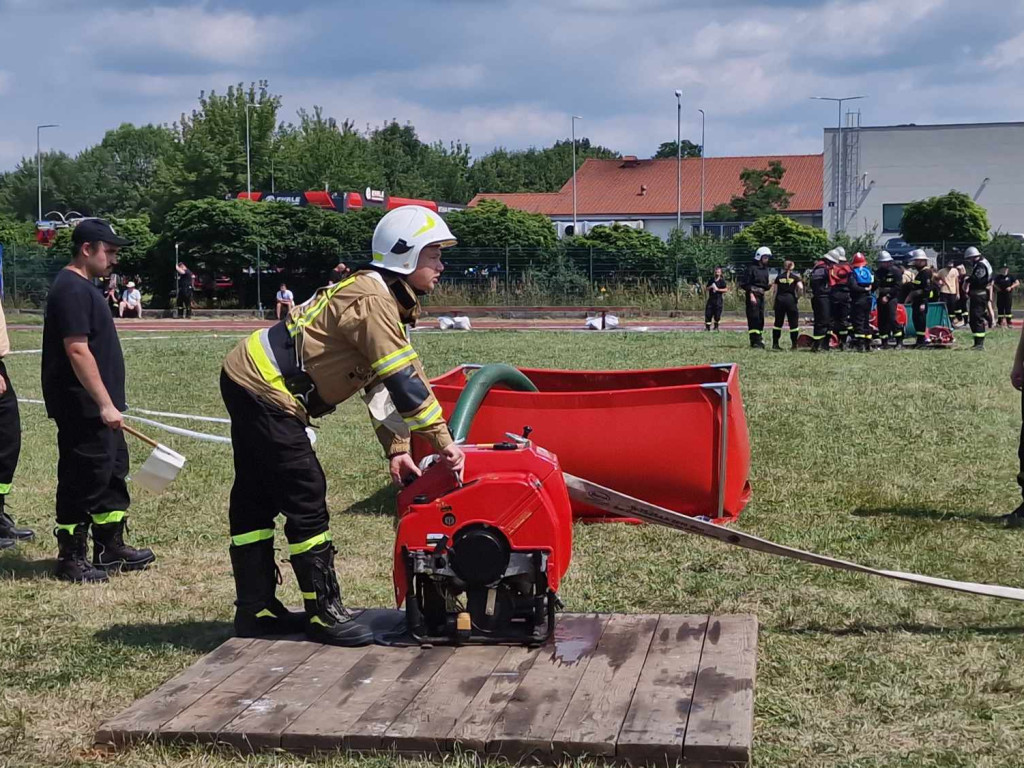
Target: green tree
x: 532, y: 170
x: 697, y: 255
x: 16, y: 232
x: 319, y: 152
x: 763, y: 193
x: 134, y: 259
x: 953, y: 217
x: 636, y: 250
x: 668, y: 149
x: 787, y: 238
x: 492, y: 224
x: 1004, y: 250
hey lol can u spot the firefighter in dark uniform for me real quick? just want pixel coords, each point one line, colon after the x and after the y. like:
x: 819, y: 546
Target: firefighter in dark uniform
x: 755, y: 284
x: 820, y: 301
x: 1016, y: 518
x: 918, y: 293
x: 1005, y: 283
x: 788, y: 287
x: 349, y: 336
x: 716, y: 289
x: 888, y: 282
x: 979, y: 276
x: 10, y: 446
x: 861, y: 281
x: 840, y: 298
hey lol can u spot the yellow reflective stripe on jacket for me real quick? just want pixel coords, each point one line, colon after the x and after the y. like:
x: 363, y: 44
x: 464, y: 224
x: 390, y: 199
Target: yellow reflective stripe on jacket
x: 251, y: 537
x: 5, y: 488
x: 425, y: 418
x: 295, y: 325
x: 268, y: 369
x: 397, y: 359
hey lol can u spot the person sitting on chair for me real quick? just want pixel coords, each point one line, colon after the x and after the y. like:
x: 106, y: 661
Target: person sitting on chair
x: 285, y: 301
x: 131, y: 300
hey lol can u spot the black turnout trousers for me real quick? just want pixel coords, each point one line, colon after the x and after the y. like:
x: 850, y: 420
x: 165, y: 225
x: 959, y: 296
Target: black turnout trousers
x: 713, y: 309
x: 840, y: 312
x: 786, y: 311
x: 10, y: 434
x: 276, y: 469
x: 822, y: 307
x: 1004, y: 305
x: 888, y: 302
x: 92, y: 465
x: 979, y: 313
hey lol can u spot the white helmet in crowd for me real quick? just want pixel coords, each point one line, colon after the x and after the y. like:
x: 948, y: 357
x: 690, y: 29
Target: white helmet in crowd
x: 764, y: 250
x: 841, y: 252
x: 831, y: 257
x: 884, y: 256
x: 917, y: 255
x: 403, y: 233
x: 972, y: 253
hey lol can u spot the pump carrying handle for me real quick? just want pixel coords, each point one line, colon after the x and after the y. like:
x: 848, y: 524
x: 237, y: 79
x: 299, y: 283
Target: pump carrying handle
x: 485, y: 379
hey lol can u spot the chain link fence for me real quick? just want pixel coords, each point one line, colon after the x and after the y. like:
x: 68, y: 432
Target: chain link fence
x: 27, y: 274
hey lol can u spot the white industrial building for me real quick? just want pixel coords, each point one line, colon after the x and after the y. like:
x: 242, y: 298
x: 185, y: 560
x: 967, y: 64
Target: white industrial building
x: 886, y: 167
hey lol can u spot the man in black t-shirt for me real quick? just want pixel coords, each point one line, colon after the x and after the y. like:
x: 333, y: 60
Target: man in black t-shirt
x: 83, y: 386
x: 1005, y: 283
x: 186, y: 286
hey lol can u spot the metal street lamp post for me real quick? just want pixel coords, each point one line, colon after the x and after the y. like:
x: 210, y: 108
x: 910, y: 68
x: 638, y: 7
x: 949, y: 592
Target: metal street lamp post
x: 679, y: 160
x: 840, y: 159
x: 575, y: 233
x: 702, y: 153
x: 39, y: 168
x: 248, y: 189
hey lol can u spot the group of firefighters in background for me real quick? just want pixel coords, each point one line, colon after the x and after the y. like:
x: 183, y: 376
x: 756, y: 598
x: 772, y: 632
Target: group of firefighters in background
x: 844, y: 294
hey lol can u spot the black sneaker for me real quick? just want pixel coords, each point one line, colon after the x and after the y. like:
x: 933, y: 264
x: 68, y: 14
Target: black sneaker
x: 112, y: 554
x: 72, y: 563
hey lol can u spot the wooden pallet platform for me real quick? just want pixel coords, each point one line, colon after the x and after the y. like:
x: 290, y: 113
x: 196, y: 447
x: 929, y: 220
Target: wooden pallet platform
x: 638, y: 689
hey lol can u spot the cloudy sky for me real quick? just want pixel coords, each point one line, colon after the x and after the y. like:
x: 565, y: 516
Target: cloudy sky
x: 511, y: 72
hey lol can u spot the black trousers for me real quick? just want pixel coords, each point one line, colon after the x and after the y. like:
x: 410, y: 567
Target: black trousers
x: 951, y: 300
x: 860, y: 315
x: 888, y: 303
x: 276, y: 471
x: 10, y: 434
x: 979, y: 313
x: 713, y: 309
x: 840, y: 313
x: 755, y: 315
x: 1004, y: 306
x: 92, y: 465
x: 787, y: 311
x: 184, y: 303
x: 1020, y: 449
x: 822, y: 307
x: 919, y: 313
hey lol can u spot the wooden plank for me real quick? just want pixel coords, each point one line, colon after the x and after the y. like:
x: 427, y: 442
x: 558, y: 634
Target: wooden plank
x: 204, y: 719
x: 721, y: 724
x: 591, y: 723
x: 655, y: 724
x: 424, y: 725
x: 473, y: 728
x: 261, y: 725
x: 145, y: 717
x: 325, y: 725
x: 366, y: 732
x: 529, y: 720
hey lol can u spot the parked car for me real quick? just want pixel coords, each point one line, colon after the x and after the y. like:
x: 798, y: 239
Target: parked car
x: 898, y: 248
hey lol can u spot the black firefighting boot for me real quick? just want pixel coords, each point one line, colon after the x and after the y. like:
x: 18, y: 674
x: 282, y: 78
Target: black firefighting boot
x: 1015, y: 519
x: 716, y: 325
x: 110, y: 552
x: 328, y: 621
x: 707, y: 326
x: 8, y: 530
x: 979, y: 344
x: 258, y: 612
x: 72, y: 555
x: 793, y: 336
x: 776, y: 335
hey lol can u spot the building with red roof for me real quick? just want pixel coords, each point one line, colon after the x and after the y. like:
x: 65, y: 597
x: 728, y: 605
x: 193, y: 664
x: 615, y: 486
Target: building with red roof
x: 642, y: 193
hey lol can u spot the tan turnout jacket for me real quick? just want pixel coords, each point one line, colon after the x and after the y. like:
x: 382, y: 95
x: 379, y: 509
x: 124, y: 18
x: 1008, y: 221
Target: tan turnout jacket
x: 5, y: 343
x: 348, y: 337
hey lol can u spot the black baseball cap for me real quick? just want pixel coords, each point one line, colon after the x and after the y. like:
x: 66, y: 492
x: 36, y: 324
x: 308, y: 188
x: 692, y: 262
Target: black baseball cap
x: 97, y: 231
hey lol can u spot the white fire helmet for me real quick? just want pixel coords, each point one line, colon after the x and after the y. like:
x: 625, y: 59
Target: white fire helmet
x: 831, y: 257
x: 972, y: 253
x: 403, y: 233
x: 764, y: 250
x: 917, y: 255
x: 884, y: 256
x: 841, y: 252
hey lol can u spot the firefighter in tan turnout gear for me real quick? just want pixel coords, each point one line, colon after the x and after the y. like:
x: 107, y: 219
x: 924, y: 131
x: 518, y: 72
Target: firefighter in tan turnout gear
x: 350, y: 336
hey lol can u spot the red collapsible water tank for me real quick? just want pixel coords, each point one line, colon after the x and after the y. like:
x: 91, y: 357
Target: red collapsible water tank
x: 676, y: 437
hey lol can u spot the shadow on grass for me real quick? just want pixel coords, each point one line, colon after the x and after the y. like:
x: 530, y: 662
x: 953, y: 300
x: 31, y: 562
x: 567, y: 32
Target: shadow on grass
x: 201, y: 636
x: 381, y: 503
x: 859, y: 628
x: 15, y: 565
x: 926, y: 513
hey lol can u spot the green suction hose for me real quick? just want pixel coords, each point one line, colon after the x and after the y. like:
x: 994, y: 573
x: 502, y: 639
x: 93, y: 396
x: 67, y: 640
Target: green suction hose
x: 476, y: 390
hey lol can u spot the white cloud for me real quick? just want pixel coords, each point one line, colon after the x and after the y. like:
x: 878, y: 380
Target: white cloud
x: 229, y: 37
x: 1006, y: 54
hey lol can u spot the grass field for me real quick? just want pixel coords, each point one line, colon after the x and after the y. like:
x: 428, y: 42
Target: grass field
x: 896, y: 460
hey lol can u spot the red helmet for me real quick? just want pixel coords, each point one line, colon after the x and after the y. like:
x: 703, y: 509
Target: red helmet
x: 859, y: 260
